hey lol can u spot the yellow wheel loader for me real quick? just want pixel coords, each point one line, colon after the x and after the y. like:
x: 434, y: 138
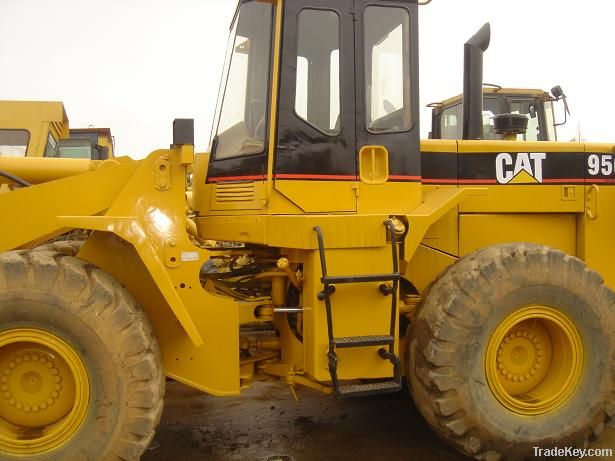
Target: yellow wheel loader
x: 479, y: 270
x: 39, y: 130
x: 31, y: 128
x: 537, y: 105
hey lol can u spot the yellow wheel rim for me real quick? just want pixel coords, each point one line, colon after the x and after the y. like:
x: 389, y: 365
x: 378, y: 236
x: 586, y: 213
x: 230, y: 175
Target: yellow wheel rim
x: 534, y: 360
x: 44, y: 391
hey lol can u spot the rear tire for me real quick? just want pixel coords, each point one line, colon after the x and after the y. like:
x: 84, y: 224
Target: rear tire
x: 65, y: 321
x: 460, y: 356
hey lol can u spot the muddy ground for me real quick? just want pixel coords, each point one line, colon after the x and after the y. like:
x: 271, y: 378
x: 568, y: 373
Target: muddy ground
x: 267, y: 424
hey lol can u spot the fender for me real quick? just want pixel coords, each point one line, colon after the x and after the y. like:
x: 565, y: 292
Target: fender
x: 144, y: 204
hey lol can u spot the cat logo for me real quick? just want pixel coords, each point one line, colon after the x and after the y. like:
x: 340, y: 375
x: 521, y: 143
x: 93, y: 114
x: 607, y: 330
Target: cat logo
x: 525, y: 168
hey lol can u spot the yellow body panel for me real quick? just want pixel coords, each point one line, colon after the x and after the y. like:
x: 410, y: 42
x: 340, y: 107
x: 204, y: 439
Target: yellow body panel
x: 595, y: 236
x: 61, y: 197
x: 39, y: 170
x: 377, y: 198
x: 295, y: 231
x: 425, y: 266
x: 444, y: 234
x: 39, y: 118
x: 438, y: 145
x: 522, y: 199
x: 320, y: 196
x: 478, y: 231
x: 594, y: 240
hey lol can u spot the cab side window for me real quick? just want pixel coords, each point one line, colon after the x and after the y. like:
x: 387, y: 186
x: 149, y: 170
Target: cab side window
x: 530, y: 110
x: 451, y: 123
x: 50, y: 147
x: 317, y: 96
x: 387, y: 69
x: 14, y: 143
x: 451, y: 120
x: 491, y: 108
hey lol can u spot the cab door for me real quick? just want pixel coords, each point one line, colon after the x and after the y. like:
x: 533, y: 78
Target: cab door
x: 387, y: 122
x: 315, y: 164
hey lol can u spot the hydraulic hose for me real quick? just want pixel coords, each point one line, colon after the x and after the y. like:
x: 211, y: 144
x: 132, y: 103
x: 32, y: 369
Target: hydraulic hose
x: 15, y: 179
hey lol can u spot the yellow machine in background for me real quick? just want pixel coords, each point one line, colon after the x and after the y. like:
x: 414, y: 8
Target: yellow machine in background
x: 537, y: 105
x: 41, y: 129
x: 31, y: 128
x: 355, y: 254
x: 92, y: 143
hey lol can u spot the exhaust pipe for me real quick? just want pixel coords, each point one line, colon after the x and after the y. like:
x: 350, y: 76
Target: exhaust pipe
x: 473, y: 83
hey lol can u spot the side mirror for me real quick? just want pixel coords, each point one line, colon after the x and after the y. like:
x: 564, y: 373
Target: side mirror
x: 558, y: 95
x: 557, y: 92
x: 533, y: 112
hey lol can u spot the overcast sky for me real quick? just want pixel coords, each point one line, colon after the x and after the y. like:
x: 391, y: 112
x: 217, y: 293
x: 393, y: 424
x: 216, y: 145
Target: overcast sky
x: 135, y: 65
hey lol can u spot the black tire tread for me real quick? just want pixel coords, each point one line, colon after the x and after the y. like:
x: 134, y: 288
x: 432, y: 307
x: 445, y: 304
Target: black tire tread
x: 437, y: 330
x: 113, y: 313
x: 65, y: 247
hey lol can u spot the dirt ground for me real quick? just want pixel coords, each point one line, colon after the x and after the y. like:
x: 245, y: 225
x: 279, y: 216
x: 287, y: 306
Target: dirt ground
x: 267, y: 424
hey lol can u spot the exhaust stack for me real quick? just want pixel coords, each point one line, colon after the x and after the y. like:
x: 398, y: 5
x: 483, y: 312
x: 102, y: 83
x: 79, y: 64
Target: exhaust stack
x: 473, y: 83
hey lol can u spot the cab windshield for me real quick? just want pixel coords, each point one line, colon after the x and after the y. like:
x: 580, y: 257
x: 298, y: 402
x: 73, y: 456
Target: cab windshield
x: 241, y: 118
x: 74, y: 148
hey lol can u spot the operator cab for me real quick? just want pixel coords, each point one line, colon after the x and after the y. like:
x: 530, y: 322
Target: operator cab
x: 305, y: 90
x: 31, y: 128
x: 537, y: 105
x: 88, y: 143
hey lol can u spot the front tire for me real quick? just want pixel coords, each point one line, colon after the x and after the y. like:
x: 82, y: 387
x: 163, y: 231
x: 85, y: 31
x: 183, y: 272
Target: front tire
x: 513, y: 349
x: 80, y: 368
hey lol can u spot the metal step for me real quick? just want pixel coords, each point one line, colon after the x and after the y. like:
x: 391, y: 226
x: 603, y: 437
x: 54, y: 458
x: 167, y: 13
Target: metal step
x: 361, y: 278
x: 361, y: 341
x: 360, y: 390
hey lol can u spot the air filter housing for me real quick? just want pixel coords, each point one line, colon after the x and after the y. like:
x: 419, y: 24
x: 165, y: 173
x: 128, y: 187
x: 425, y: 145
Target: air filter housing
x: 510, y: 124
